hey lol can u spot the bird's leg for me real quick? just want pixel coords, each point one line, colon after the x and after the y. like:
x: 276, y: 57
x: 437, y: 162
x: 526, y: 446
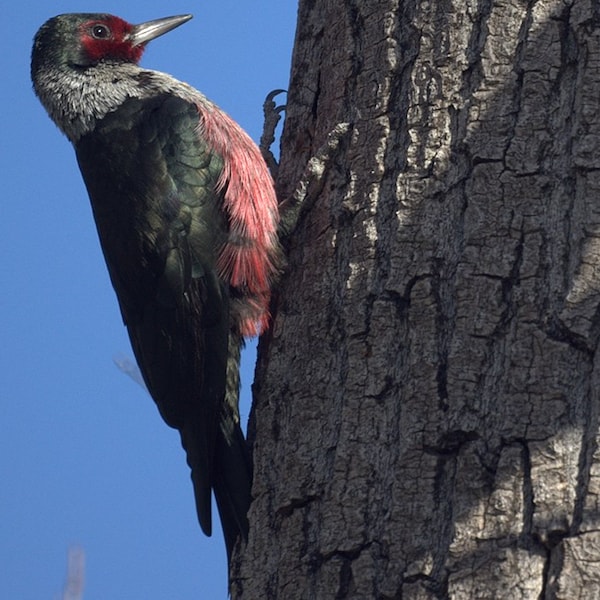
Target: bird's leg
x: 311, y: 182
x: 312, y: 179
x: 272, y: 114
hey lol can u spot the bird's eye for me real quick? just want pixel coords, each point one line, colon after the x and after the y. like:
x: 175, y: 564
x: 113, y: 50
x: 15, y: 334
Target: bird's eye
x: 100, y: 32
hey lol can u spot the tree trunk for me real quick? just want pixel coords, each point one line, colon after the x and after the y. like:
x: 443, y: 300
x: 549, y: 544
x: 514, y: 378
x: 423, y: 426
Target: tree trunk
x: 426, y: 406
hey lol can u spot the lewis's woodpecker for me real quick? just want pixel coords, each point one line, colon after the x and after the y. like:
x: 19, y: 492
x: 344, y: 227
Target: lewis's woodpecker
x: 187, y: 218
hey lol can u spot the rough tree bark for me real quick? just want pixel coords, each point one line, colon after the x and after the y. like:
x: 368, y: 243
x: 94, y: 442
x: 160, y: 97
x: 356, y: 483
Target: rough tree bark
x: 426, y: 407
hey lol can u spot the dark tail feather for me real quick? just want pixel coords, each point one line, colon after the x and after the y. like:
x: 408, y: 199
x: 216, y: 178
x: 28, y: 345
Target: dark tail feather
x: 222, y: 461
x: 232, y: 477
x: 232, y: 484
x: 198, y: 460
x: 202, y: 497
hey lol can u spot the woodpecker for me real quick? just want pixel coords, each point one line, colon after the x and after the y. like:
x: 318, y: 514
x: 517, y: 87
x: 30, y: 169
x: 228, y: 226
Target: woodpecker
x: 187, y: 219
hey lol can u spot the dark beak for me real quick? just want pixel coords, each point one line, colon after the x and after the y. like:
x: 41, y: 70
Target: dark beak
x: 145, y: 32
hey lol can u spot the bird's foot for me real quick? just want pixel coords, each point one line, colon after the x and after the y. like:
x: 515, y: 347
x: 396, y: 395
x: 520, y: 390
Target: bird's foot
x: 272, y: 113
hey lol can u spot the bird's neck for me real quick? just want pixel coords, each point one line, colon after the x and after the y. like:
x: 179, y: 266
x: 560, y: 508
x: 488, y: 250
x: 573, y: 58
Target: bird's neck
x: 76, y: 99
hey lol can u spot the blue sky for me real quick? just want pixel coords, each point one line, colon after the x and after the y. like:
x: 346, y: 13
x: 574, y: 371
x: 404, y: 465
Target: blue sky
x: 86, y: 458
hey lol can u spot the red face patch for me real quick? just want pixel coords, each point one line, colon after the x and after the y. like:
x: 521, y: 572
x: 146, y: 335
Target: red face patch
x: 109, y: 39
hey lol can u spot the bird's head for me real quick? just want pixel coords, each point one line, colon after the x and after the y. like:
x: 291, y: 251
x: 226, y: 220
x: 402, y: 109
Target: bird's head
x: 84, y: 65
x: 82, y: 40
